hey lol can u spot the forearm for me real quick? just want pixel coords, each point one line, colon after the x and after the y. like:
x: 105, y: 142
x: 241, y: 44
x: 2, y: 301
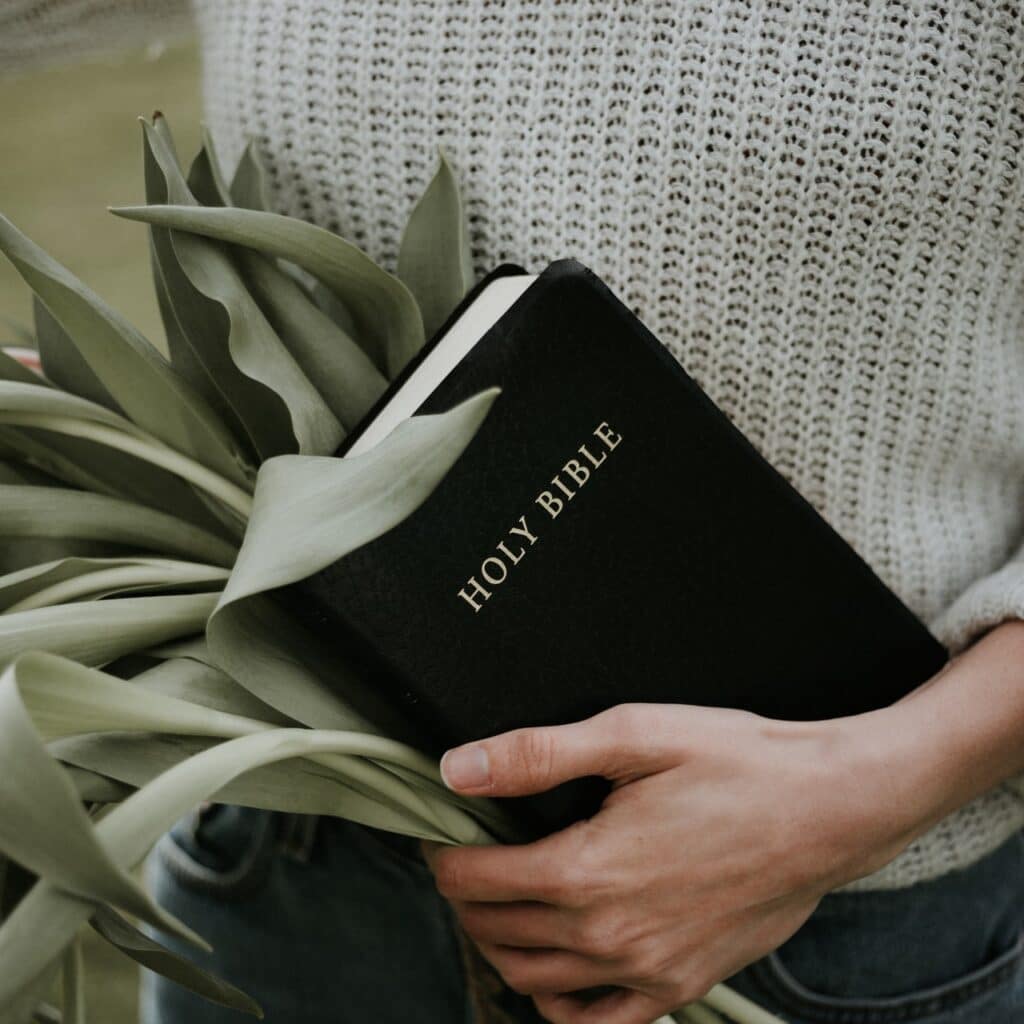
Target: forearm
x: 950, y: 740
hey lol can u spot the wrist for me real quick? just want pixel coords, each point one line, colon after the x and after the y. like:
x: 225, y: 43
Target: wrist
x: 901, y: 769
x: 887, y: 783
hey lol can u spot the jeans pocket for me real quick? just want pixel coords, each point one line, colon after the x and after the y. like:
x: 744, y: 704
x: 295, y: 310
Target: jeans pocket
x: 220, y: 849
x: 952, y: 1000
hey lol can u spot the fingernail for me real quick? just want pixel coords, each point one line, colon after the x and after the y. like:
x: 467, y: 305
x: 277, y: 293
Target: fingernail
x: 466, y: 768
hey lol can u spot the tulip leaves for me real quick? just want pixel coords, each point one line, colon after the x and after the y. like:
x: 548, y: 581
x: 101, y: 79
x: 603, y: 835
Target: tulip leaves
x: 434, y: 259
x: 150, y: 507
x: 234, y: 356
x: 82, y: 865
x: 149, y: 953
x: 137, y: 377
x: 383, y: 309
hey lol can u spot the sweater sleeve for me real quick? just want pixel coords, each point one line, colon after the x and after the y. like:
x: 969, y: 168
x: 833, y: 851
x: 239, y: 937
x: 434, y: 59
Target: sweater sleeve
x: 985, y: 604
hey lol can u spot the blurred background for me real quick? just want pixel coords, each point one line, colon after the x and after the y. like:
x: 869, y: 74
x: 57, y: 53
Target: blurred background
x: 74, y: 78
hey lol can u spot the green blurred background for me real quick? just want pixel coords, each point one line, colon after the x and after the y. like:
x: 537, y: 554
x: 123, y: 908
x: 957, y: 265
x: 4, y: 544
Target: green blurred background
x: 71, y: 149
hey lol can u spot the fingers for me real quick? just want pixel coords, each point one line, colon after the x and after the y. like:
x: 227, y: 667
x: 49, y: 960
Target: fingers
x: 530, y: 972
x: 524, y: 925
x: 557, y: 870
x: 503, y: 874
x: 624, y: 1006
x: 615, y: 744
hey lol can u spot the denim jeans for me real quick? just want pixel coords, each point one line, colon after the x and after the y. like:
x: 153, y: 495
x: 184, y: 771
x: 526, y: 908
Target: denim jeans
x: 324, y: 922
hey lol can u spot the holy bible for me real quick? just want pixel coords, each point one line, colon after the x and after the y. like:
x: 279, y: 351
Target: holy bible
x: 608, y: 536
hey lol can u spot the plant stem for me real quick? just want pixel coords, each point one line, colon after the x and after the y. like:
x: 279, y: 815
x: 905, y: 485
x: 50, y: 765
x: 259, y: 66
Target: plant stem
x: 73, y: 984
x: 697, y: 1013
x: 739, y: 1008
x: 143, y: 447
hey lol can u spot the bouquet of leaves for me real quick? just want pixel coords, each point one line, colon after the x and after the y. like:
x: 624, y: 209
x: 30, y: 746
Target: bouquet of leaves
x: 148, y: 505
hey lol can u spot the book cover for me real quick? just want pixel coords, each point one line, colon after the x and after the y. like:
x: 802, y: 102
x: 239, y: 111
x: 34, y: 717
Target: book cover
x: 609, y: 537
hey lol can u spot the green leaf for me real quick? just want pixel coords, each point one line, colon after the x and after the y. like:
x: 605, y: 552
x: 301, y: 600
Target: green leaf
x: 27, y: 406
x: 40, y: 400
x: 276, y: 659
x: 62, y: 363
x: 43, y: 923
x: 329, y: 303
x: 27, y: 511
x: 149, y: 391
x: 73, y: 579
x: 199, y: 683
x: 34, y: 551
x: 299, y: 786
x: 87, y: 463
x: 196, y: 327
x: 73, y: 701
x: 73, y: 985
x: 27, y: 553
x: 193, y: 647
x: 179, y: 348
x: 132, y: 827
x: 60, y: 844
x: 97, y: 632
x: 22, y: 473
x: 386, y: 316
x: 82, y: 863
x: 29, y: 1004
x: 68, y: 699
x: 246, y: 367
x: 307, y: 513
x: 434, y: 257
x: 335, y: 365
x: 205, y: 180
x: 249, y: 187
x: 12, y: 369
x: 738, y: 1008
x: 43, y: 452
x: 93, y: 787
x: 94, y: 466
x: 250, y: 190
x: 155, y: 957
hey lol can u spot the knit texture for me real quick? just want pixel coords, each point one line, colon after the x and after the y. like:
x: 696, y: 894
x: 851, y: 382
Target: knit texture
x: 817, y: 206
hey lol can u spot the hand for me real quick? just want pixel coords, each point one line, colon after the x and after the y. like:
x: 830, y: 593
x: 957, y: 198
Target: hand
x: 721, y: 834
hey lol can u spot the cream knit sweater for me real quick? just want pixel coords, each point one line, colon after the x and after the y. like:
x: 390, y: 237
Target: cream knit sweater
x: 818, y: 205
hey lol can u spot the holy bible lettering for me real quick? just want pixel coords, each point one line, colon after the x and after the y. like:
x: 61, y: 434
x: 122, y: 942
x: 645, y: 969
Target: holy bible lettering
x: 548, y: 602
x: 565, y: 485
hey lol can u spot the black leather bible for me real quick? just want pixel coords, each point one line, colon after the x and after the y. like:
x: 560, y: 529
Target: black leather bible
x: 608, y: 536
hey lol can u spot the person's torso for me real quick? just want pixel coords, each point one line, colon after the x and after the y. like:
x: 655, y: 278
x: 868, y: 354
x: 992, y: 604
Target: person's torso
x: 818, y: 207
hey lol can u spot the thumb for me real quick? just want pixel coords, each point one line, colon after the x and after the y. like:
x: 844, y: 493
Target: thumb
x: 527, y: 761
